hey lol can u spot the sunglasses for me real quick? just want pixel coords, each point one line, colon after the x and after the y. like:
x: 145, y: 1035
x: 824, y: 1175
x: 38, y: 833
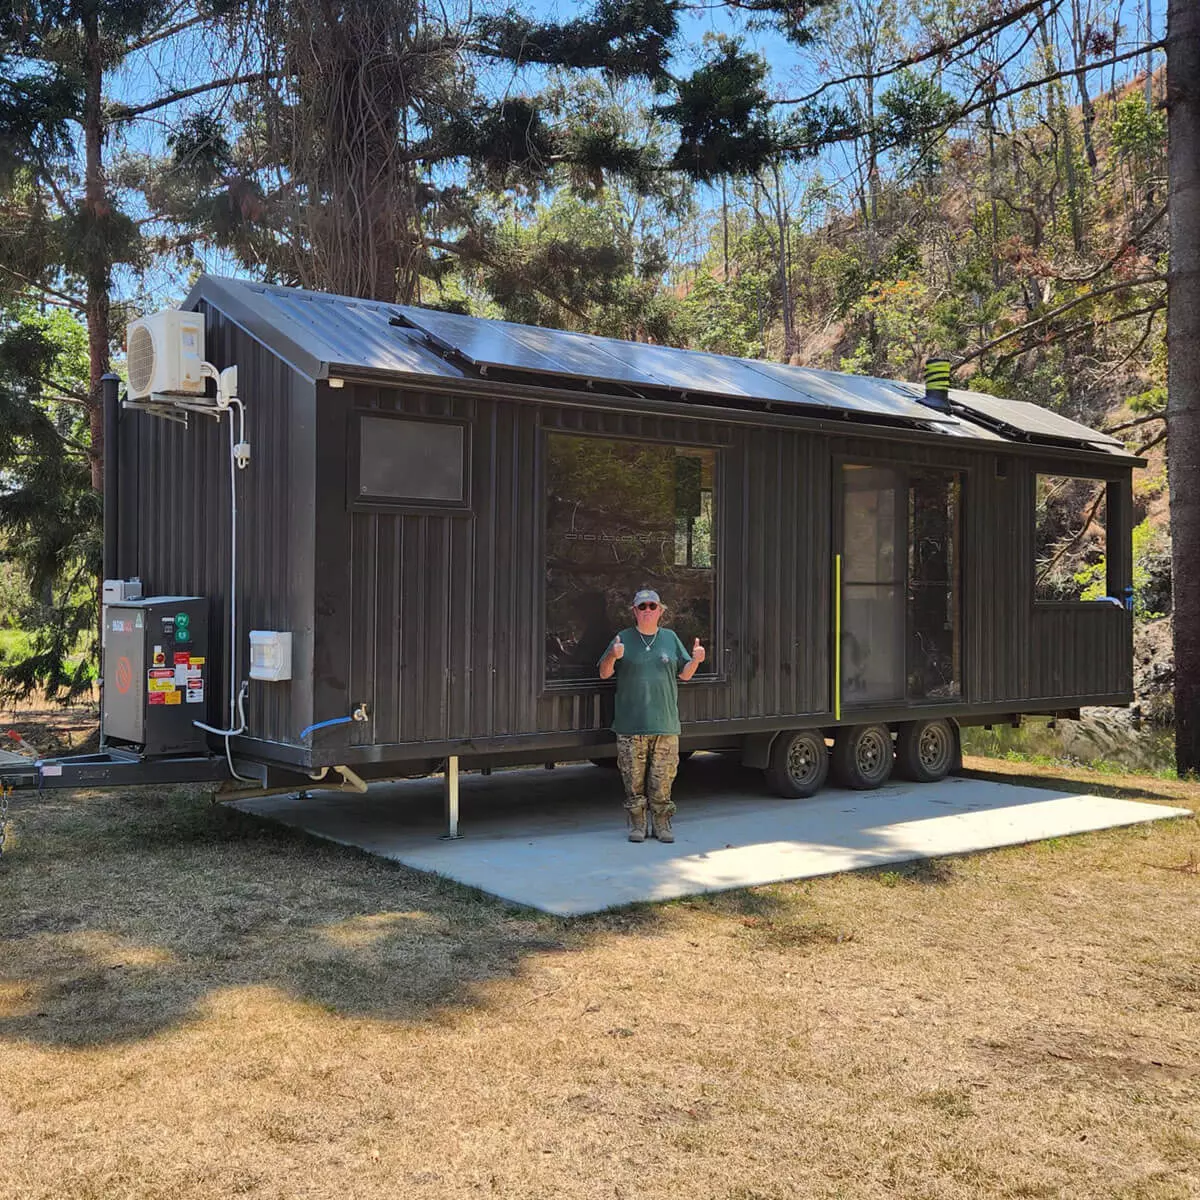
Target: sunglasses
x: 649, y: 605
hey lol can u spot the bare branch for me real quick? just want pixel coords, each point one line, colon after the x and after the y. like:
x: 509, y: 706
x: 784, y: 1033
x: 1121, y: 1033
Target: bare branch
x: 1154, y: 441
x: 124, y: 112
x: 1145, y: 420
x: 1055, y: 312
x: 937, y: 50
x: 988, y: 100
x: 67, y: 301
x: 1126, y: 244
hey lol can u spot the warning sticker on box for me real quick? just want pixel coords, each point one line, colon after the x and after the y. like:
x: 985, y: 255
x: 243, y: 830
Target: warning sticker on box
x: 173, y: 698
x: 195, y: 691
x: 181, y: 658
x: 156, y: 698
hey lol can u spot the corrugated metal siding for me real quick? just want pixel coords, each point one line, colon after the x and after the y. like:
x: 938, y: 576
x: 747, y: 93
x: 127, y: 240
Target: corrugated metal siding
x: 1080, y: 650
x: 445, y: 611
x: 175, y: 502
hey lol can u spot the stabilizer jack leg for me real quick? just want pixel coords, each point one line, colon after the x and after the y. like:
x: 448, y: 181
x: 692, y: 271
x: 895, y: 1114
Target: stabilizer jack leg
x: 451, y: 794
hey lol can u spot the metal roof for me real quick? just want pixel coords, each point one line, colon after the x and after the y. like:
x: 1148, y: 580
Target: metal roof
x: 323, y: 335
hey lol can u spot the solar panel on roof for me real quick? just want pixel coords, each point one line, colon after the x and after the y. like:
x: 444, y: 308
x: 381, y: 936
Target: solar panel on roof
x: 1023, y: 417
x: 535, y: 350
x: 828, y: 389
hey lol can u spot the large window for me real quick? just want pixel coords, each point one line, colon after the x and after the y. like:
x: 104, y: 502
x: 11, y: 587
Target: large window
x: 623, y: 515
x: 1070, y: 538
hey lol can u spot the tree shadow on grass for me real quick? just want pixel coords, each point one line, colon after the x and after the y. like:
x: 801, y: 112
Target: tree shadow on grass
x: 121, y: 913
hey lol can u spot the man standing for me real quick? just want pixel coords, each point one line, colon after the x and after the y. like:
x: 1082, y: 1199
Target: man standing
x: 648, y: 661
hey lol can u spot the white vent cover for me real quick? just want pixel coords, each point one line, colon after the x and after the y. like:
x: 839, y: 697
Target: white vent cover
x: 166, y: 354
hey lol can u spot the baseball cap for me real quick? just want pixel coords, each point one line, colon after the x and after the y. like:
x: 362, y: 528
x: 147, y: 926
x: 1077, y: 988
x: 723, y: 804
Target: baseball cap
x: 646, y: 596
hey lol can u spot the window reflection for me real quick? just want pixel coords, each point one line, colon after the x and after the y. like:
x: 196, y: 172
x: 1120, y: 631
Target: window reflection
x: 873, y: 597
x: 1070, y: 538
x: 934, y: 505
x: 622, y: 515
x: 901, y: 590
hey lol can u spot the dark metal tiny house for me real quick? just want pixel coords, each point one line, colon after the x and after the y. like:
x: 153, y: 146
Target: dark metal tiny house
x: 434, y: 533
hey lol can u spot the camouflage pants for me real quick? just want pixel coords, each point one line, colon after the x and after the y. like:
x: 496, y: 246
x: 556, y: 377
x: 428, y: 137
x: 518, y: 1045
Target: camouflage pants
x: 648, y: 764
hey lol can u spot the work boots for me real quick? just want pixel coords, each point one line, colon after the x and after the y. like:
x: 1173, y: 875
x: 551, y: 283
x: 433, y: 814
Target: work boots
x: 662, y: 827
x: 637, y: 823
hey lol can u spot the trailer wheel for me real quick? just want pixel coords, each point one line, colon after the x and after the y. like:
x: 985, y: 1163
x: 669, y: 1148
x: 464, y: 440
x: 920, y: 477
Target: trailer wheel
x: 925, y: 750
x: 799, y: 763
x: 608, y: 763
x: 862, y: 756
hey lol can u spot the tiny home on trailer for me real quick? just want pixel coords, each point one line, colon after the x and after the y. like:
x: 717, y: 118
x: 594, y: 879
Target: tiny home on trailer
x: 430, y: 525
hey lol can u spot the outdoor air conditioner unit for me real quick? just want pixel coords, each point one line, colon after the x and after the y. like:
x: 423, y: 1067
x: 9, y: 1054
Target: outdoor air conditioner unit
x: 165, y: 355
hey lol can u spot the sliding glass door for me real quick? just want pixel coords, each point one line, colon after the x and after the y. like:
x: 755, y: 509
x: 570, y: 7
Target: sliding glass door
x: 901, y: 589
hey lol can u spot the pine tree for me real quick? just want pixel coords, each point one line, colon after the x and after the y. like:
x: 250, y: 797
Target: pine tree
x: 64, y: 232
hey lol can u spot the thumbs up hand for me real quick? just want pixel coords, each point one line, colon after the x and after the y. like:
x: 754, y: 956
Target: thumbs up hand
x: 698, y: 652
x: 617, y: 649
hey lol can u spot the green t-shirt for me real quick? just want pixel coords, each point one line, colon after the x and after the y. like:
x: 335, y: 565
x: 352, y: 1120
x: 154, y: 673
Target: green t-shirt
x: 648, y: 683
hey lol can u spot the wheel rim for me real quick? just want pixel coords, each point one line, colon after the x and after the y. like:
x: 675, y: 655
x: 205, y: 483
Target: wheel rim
x: 933, y: 747
x: 802, y: 761
x: 871, y: 753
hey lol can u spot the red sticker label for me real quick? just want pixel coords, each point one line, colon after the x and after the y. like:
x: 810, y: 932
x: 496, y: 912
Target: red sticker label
x: 157, y: 698
x: 161, y: 673
x: 181, y: 658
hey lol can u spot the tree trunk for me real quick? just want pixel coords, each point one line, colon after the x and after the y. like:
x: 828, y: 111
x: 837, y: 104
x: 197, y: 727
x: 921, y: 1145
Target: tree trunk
x: 97, y: 267
x: 785, y: 287
x: 1183, y: 366
x: 1079, y: 34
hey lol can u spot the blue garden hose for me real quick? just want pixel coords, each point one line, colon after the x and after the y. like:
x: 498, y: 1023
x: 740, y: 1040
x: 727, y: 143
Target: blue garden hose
x: 324, y: 725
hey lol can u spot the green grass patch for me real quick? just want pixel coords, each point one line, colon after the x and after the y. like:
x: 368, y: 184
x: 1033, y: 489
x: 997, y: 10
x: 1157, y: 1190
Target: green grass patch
x: 13, y: 643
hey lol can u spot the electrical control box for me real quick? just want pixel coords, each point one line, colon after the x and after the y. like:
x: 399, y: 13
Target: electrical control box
x: 270, y: 655
x: 156, y: 673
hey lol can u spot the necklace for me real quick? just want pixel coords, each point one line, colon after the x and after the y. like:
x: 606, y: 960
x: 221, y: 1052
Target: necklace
x: 648, y: 644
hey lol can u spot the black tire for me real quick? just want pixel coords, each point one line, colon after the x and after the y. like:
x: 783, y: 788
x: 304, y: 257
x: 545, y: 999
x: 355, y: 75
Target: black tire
x: 926, y: 751
x: 799, y: 763
x: 862, y: 756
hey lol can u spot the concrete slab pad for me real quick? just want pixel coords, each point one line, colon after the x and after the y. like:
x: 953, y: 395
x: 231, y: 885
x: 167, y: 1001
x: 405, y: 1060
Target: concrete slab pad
x: 555, y: 840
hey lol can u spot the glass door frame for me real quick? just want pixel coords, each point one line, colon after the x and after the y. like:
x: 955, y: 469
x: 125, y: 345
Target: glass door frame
x: 904, y: 469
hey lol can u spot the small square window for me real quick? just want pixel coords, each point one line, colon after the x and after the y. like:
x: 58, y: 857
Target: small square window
x: 403, y: 460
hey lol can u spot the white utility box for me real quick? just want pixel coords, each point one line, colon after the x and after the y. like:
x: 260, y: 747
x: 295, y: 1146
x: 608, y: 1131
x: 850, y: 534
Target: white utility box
x: 117, y: 591
x: 165, y: 354
x: 270, y: 655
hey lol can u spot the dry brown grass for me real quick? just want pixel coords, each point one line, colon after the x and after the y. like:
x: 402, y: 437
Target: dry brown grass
x: 194, y: 1004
